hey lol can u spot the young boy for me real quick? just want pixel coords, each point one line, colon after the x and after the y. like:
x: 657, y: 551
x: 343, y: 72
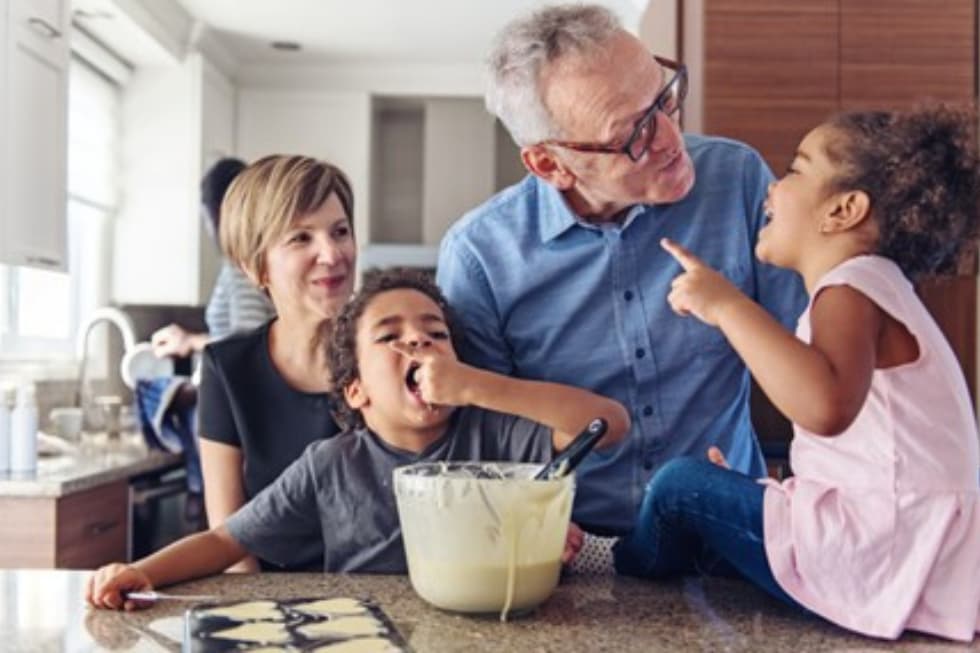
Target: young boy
x: 406, y: 398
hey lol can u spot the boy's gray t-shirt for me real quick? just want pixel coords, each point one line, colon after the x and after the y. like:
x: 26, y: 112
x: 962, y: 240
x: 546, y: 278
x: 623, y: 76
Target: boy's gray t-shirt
x: 341, y: 489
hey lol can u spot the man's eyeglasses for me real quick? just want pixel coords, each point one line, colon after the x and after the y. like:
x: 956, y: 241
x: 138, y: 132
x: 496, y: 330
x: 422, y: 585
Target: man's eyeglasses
x: 668, y: 102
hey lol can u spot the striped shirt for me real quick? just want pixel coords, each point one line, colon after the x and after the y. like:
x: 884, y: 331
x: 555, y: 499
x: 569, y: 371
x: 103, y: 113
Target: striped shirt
x: 236, y: 304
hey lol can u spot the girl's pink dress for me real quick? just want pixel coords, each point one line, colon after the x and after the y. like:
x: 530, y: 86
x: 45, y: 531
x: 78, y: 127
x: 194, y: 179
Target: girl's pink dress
x: 879, y: 531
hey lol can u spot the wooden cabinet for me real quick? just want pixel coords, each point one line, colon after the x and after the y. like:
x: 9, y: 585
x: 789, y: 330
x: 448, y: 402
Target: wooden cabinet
x: 34, y: 92
x: 894, y: 53
x: 81, y: 530
x: 774, y: 70
x: 770, y: 71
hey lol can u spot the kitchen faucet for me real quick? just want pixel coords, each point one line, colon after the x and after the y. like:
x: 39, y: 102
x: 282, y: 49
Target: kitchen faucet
x: 104, y: 314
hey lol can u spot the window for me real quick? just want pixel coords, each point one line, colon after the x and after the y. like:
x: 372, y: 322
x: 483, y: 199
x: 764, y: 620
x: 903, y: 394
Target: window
x: 40, y: 310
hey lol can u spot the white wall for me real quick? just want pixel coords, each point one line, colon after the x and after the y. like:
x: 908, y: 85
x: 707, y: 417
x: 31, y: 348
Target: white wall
x: 218, y: 141
x: 156, y: 233
x: 459, y: 163
x: 335, y: 126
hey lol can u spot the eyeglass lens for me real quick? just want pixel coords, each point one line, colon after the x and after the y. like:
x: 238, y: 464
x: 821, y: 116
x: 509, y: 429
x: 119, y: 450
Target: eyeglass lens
x: 668, y: 102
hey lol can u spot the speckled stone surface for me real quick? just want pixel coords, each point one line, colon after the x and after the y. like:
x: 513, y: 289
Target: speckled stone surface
x: 43, y: 611
x: 60, y: 475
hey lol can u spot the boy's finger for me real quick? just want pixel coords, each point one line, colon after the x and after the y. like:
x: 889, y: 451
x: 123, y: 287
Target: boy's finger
x: 687, y: 260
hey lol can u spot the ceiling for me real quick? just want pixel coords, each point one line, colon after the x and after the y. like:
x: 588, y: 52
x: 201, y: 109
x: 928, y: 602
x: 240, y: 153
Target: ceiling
x: 407, y: 31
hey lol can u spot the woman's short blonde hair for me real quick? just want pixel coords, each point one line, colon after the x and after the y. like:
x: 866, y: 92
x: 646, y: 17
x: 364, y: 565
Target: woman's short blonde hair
x: 267, y: 196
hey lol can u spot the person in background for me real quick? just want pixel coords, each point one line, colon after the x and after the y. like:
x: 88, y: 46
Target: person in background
x: 879, y: 529
x: 236, y: 303
x: 287, y: 222
x: 406, y: 399
x: 561, y: 278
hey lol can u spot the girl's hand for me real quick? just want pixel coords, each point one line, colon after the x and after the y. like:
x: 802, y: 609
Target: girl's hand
x: 699, y: 290
x: 574, y: 540
x: 717, y: 457
x: 106, y: 588
x: 441, y: 379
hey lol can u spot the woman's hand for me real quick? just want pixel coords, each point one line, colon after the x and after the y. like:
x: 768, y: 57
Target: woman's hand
x: 107, y: 587
x: 699, y: 290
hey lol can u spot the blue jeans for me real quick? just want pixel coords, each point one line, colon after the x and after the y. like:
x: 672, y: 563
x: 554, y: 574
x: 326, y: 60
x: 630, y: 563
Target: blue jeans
x: 699, y: 518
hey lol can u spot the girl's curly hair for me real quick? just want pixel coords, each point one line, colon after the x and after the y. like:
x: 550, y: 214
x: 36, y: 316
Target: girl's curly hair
x: 342, y: 354
x: 920, y: 168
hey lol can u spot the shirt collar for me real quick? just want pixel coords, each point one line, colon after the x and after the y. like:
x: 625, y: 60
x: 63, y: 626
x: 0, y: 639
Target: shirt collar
x: 557, y: 218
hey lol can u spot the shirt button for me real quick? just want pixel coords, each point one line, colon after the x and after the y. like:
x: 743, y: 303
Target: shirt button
x: 640, y: 353
x: 647, y: 411
x: 628, y: 295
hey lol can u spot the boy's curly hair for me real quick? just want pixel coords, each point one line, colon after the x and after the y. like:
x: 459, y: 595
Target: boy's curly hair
x: 342, y: 354
x: 920, y: 168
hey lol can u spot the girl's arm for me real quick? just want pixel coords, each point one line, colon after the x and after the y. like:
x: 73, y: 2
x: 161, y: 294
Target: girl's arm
x: 224, y: 485
x: 822, y: 385
x: 194, y: 556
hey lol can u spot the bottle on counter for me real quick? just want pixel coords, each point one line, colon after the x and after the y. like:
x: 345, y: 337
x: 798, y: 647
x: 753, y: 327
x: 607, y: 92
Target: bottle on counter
x: 8, y: 397
x: 23, y: 431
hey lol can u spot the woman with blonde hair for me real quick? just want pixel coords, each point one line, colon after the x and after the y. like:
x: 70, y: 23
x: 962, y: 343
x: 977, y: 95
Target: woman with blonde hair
x: 287, y: 222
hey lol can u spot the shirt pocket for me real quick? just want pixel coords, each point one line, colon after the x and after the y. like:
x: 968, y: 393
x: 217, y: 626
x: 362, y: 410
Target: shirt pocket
x: 706, y: 341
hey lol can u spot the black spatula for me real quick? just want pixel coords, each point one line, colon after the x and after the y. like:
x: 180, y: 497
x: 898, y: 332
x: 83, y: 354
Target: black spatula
x: 569, y: 459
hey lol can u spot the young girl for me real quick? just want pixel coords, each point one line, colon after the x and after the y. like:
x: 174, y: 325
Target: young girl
x: 410, y: 400
x: 879, y: 531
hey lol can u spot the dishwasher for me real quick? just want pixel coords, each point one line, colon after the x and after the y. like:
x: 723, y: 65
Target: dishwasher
x: 161, y: 510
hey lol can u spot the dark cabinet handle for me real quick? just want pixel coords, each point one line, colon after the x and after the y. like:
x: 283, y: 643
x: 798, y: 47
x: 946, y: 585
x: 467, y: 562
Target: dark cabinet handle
x: 100, y: 527
x: 44, y: 28
x: 46, y: 261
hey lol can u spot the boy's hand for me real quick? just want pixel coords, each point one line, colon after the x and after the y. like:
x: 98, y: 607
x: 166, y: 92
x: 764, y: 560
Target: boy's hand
x: 107, y: 586
x: 441, y: 378
x: 699, y: 290
x: 574, y: 540
x: 717, y: 457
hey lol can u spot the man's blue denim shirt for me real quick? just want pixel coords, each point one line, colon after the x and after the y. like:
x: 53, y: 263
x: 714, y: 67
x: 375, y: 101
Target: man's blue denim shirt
x: 545, y: 295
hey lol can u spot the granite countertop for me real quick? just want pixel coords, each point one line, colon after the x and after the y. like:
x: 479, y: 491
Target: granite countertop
x: 44, y: 611
x: 64, y: 474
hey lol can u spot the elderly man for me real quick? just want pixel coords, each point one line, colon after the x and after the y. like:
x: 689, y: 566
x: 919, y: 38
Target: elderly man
x: 561, y: 277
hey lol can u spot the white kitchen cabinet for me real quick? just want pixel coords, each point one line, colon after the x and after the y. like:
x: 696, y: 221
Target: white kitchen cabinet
x: 34, y: 133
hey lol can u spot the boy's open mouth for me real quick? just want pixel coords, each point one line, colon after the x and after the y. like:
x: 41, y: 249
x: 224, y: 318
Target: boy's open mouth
x: 411, y: 382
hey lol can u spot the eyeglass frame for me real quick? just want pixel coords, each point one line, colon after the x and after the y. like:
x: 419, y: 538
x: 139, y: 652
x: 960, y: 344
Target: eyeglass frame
x: 649, y: 117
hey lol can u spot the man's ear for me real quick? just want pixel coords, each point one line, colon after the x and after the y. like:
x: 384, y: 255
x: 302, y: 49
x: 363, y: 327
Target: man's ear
x: 541, y: 162
x: 846, y: 211
x: 355, y: 396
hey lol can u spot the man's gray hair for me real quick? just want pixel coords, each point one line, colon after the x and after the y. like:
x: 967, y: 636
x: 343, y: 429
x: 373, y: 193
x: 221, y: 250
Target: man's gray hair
x: 524, y: 47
